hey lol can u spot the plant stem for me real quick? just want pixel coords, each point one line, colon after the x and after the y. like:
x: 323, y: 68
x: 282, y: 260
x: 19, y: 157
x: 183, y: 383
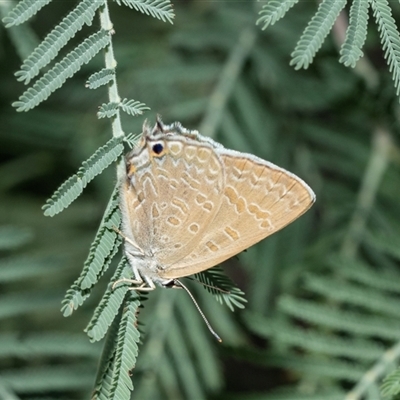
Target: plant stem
x: 227, y: 82
x: 111, y: 63
x: 373, y: 374
x: 366, y: 197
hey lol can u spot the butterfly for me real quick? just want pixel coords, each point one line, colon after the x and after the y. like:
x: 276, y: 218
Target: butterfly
x: 189, y: 204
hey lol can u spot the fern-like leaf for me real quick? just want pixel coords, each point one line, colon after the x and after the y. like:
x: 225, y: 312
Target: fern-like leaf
x: 73, y: 299
x: 346, y: 321
x: 101, y: 159
x: 24, y: 10
x: 273, y: 11
x: 63, y: 196
x: 108, y: 110
x: 107, y: 362
x: 133, y: 107
x: 13, y: 237
x: 57, y: 39
x: 74, y: 185
x: 100, y: 78
x: 356, y: 33
x: 378, y: 301
x: 364, y: 274
x: 390, y: 38
x: 126, y: 350
x: 215, y: 279
x: 102, y: 251
x: 132, y: 139
x: 110, y: 304
x: 312, y: 38
x: 104, y: 246
x: 66, y: 68
x: 391, y: 384
x: 160, y: 9
x: 314, y: 341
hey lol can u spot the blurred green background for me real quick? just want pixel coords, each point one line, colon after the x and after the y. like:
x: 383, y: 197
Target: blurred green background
x: 322, y: 294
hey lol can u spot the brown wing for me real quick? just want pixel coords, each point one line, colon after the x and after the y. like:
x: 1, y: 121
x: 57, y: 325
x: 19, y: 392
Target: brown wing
x: 259, y: 199
x: 172, y: 197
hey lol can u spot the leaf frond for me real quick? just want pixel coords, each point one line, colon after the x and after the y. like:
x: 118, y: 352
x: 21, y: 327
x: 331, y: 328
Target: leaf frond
x: 66, y: 68
x: 108, y: 110
x: 101, y: 159
x: 102, y: 251
x: 356, y: 33
x: 126, y: 349
x: 391, y: 384
x: 73, y: 299
x: 24, y: 10
x: 105, y: 244
x: 133, y: 107
x: 12, y: 237
x: 355, y: 295
x: 215, y: 279
x: 63, y: 196
x: 100, y: 78
x: 160, y: 9
x: 73, y: 186
x: 313, y: 36
x: 57, y: 39
x: 362, y: 273
x: 110, y: 304
x: 106, y: 366
x: 273, y: 11
x: 390, y: 38
x: 314, y: 341
x: 346, y: 321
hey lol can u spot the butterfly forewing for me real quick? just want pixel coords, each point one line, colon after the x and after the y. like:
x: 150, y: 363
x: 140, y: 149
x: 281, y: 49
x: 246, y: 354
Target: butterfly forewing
x: 173, y: 196
x: 258, y: 199
x: 188, y: 203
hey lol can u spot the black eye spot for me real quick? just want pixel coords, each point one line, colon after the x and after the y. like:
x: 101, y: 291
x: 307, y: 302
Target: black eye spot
x: 158, y: 148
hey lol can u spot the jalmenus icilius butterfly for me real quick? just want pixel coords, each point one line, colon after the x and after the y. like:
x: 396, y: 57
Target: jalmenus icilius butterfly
x: 188, y: 204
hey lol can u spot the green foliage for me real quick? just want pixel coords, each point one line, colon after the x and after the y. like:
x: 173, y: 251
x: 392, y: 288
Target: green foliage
x: 161, y: 9
x: 322, y: 22
x: 49, y: 48
x: 100, y: 78
x: 322, y: 294
x: 223, y: 289
x: 131, y: 107
x: 273, y: 11
x: 391, y: 384
x: 23, y: 11
x: 356, y: 34
x: 119, y: 357
x: 66, y: 68
x: 390, y: 38
x: 110, y: 304
x: 316, y: 32
x: 102, y: 251
x: 75, y: 184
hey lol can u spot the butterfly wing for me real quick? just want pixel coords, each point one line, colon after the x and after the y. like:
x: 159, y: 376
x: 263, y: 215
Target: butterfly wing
x: 171, y: 195
x: 258, y: 199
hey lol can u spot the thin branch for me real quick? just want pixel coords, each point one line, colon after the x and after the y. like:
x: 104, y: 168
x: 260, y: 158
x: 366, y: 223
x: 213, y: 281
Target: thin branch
x: 366, y: 197
x: 227, y: 81
x: 374, y: 373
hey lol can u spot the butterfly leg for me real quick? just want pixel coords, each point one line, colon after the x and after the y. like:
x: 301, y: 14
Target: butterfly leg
x: 146, y: 285
x: 128, y: 240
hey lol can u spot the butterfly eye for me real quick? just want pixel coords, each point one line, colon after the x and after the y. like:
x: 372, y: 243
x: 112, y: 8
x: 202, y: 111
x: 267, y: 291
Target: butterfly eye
x: 158, y: 148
